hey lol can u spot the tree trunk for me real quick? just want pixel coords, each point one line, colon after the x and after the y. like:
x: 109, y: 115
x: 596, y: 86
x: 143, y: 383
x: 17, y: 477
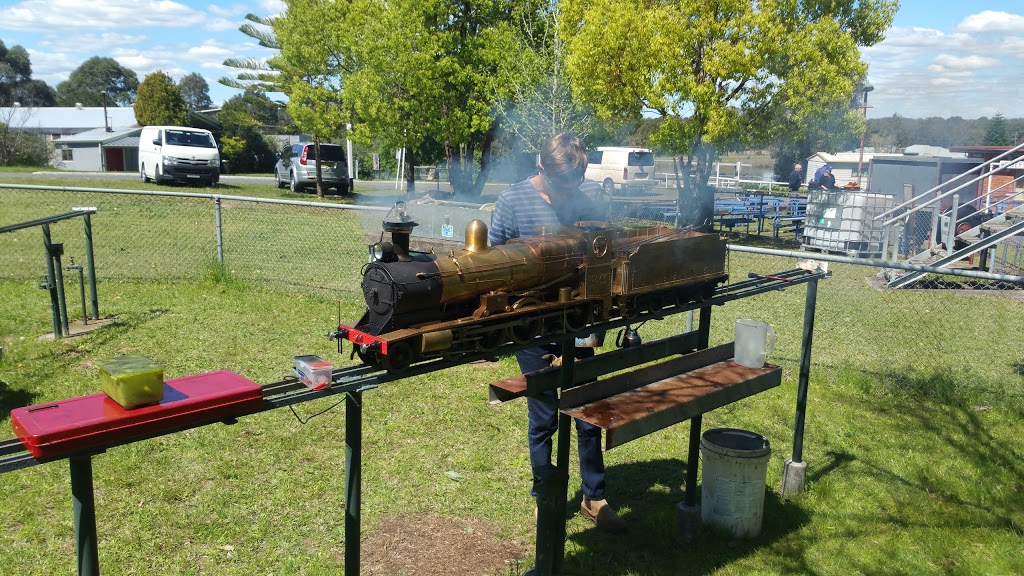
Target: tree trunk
x: 485, y: 161
x: 319, y: 175
x: 410, y: 172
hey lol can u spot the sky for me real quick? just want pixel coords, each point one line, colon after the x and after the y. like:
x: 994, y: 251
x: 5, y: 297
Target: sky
x: 940, y: 58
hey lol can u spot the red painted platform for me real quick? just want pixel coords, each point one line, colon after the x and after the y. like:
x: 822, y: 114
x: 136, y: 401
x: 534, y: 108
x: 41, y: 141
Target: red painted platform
x: 58, y: 428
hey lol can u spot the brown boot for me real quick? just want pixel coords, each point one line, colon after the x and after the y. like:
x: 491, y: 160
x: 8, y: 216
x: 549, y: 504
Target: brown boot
x: 602, y: 513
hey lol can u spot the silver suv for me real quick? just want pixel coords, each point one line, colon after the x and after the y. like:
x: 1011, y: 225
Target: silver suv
x: 298, y: 171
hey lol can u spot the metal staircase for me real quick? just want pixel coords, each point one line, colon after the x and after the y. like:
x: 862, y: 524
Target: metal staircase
x: 984, y: 243
x: 979, y: 238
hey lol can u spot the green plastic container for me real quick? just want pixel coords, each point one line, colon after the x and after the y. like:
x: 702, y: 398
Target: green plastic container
x: 132, y: 380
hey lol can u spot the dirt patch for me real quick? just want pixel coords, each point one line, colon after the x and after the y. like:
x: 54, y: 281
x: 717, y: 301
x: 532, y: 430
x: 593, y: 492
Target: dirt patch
x: 428, y: 545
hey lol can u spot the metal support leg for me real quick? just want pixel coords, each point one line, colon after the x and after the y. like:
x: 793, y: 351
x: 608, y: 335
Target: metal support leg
x: 92, y: 268
x: 58, y: 250
x: 553, y: 487
x: 795, y: 469
x: 687, y: 526
x: 84, y: 516
x: 51, y: 281
x: 353, y: 478
x: 562, y: 461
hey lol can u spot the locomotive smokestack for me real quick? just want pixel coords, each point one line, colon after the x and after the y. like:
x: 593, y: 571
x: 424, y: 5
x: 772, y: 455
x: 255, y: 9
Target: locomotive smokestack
x: 400, y: 227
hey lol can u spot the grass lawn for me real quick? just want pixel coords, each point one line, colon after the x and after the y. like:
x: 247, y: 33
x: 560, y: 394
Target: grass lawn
x: 916, y: 461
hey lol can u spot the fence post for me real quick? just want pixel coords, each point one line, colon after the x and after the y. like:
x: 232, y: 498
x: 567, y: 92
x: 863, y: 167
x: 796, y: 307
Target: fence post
x: 220, y: 231
x: 92, y: 268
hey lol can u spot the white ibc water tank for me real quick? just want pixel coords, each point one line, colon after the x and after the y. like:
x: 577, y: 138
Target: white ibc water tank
x: 844, y: 221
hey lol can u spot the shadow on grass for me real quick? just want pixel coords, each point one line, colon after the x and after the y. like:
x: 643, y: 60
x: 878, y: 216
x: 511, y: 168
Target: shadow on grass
x: 941, y: 408
x: 11, y: 398
x: 836, y: 461
x: 647, y: 493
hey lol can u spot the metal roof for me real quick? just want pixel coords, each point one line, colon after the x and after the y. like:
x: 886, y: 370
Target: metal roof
x: 101, y: 136
x: 69, y: 118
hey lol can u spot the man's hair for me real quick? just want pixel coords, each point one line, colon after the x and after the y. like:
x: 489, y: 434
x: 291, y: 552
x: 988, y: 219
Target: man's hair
x: 797, y: 166
x: 564, y: 156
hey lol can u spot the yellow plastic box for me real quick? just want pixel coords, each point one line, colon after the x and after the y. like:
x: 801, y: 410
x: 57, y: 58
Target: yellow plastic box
x: 132, y: 380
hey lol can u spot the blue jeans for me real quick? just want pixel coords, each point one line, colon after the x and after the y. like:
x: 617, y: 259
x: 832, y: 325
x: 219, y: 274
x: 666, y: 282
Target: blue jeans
x: 543, y: 414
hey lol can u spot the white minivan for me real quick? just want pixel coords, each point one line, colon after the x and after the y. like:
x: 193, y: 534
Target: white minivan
x: 169, y: 153
x: 621, y: 167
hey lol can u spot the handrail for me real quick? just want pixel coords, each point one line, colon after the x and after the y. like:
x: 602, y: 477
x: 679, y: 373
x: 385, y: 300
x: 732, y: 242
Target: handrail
x: 941, y: 184
x: 989, y: 193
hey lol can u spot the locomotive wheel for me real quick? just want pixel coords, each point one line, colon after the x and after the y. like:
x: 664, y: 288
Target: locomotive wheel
x: 399, y: 357
x: 578, y: 317
x: 492, y: 339
x: 525, y: 332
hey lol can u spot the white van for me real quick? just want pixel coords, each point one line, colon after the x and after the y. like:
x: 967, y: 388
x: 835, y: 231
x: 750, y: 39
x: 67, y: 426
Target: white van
x: 621, y: 167
x: 169, y: 153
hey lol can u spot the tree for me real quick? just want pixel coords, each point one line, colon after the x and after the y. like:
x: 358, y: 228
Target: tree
x: 16, y: 83
x: 159, y: 102
x: 995, y: 132
x: 313, y: 62
x: 18, y: 147
x: 430, y: 70
x: 86, y: 84
x: 257, y: 73
x: 541, y: 103
x: 253, y: 109
x: 195, y: 91
x: 718, y: 72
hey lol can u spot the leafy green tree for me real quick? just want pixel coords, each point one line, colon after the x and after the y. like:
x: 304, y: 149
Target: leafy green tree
x: 86, y: 84
x: 432, y: 70
x: 253, y: 108
x: 195, y: 91
x: 159, y: 102
x: 313, y: 61
x: 16, y: 83
x: 995, y: 132
x: 257, y: 74
x: 719, y: 72
x: 540, y: 102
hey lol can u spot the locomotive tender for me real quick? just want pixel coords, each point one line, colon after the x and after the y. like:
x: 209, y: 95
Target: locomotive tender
x: 422, y: 305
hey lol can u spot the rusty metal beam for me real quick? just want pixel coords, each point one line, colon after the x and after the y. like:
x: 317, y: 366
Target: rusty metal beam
x: 591, y: 368
x: 650, y: 407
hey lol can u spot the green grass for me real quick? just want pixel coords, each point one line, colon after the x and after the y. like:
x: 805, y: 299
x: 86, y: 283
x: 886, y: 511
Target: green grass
x: 912, y: 436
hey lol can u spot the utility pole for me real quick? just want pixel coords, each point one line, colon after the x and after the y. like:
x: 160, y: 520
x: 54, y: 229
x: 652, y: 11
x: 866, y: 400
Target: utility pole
x: 867, y: 87
x: 106, y: 123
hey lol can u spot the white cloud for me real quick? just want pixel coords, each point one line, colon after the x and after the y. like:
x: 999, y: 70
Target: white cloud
x: 1013, y: 46
x: 991, y: 21
x: 971, y: 62
x: 942, y: 81
x: 52, y: 16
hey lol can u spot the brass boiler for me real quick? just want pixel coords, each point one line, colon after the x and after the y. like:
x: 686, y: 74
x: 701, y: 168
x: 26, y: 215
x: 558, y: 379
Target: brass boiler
x: 554, y: 258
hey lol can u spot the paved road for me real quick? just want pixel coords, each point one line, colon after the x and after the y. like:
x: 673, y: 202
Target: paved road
x: 423, y: 187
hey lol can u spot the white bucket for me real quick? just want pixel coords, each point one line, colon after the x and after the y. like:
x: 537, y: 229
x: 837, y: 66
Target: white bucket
x: 733, y: 480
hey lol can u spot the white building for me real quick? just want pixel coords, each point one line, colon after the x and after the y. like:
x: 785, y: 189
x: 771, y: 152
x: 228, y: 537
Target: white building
x: 844, y: 166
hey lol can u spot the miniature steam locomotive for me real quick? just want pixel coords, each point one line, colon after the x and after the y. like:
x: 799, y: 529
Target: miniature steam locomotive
x: 421, y: 306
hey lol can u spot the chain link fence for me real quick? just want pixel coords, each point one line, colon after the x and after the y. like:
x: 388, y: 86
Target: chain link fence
x: 950, y: 336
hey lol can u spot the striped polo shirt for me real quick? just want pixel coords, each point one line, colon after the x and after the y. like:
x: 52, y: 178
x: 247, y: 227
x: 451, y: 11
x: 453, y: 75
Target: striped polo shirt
x: 521, y: 211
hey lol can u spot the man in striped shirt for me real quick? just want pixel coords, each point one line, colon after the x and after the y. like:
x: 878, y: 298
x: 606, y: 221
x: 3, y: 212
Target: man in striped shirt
x: 553, y: 197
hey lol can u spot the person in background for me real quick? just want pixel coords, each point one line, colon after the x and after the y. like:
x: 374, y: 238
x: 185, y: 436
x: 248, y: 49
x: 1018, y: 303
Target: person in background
x: 823, y: 178
x: 553, y: 197
x: 796, y: 177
